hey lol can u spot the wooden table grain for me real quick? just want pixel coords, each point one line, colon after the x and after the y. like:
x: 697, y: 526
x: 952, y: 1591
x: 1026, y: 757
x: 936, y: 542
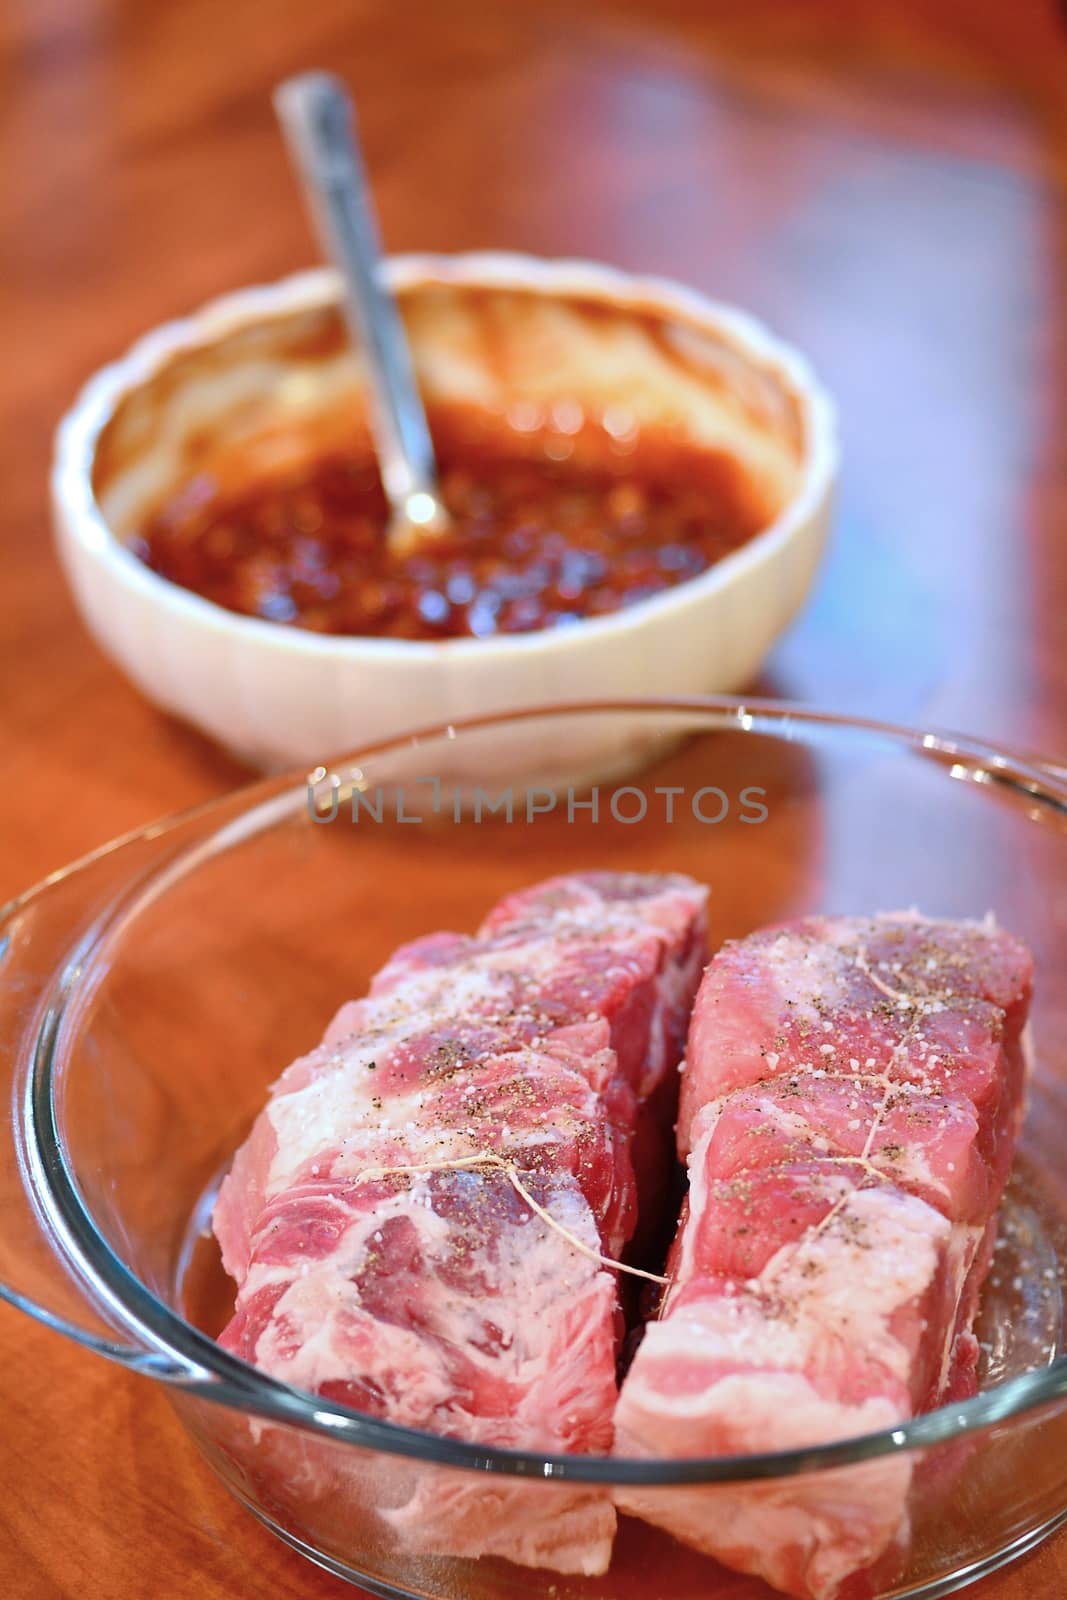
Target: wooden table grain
x: 883, y: 182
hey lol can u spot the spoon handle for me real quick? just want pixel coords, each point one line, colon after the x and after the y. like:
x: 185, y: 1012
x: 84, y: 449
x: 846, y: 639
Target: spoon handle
x: 316, y: 114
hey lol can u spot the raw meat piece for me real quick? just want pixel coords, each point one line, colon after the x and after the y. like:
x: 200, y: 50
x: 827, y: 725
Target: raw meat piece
x: 850, y: 1102
x: 441, y: 1298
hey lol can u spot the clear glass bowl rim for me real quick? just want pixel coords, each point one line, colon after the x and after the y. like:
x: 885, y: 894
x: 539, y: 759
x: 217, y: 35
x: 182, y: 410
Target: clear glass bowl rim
x: 172, y: 1350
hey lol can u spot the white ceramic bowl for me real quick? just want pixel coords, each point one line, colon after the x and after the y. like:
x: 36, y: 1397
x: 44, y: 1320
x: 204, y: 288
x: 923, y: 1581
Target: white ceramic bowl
x: 507, y: 335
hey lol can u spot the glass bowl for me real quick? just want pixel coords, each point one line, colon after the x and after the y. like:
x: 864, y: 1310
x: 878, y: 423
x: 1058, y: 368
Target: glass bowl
x: 151, y: 992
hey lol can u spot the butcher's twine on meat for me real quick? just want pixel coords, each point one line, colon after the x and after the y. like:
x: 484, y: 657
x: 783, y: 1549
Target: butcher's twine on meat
x: 488, y: 1159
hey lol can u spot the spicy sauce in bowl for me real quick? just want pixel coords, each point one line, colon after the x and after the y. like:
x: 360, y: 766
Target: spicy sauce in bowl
x: 535, y: 543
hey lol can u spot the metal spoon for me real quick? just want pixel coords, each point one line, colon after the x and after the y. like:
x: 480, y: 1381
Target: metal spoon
x: 317, y: 118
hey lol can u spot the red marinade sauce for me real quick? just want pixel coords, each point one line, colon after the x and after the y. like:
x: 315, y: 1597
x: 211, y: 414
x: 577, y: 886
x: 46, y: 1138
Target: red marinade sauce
x: 535, y: 543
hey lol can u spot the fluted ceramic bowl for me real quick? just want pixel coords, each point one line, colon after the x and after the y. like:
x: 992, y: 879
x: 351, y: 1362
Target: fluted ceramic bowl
x: 267, y: 375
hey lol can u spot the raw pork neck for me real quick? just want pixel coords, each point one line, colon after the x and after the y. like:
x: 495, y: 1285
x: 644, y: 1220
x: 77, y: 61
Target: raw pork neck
x: 384, y: 1256
x: 850, y: 1103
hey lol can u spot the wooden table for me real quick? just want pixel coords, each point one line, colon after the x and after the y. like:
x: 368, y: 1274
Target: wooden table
x: 885, y: 183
